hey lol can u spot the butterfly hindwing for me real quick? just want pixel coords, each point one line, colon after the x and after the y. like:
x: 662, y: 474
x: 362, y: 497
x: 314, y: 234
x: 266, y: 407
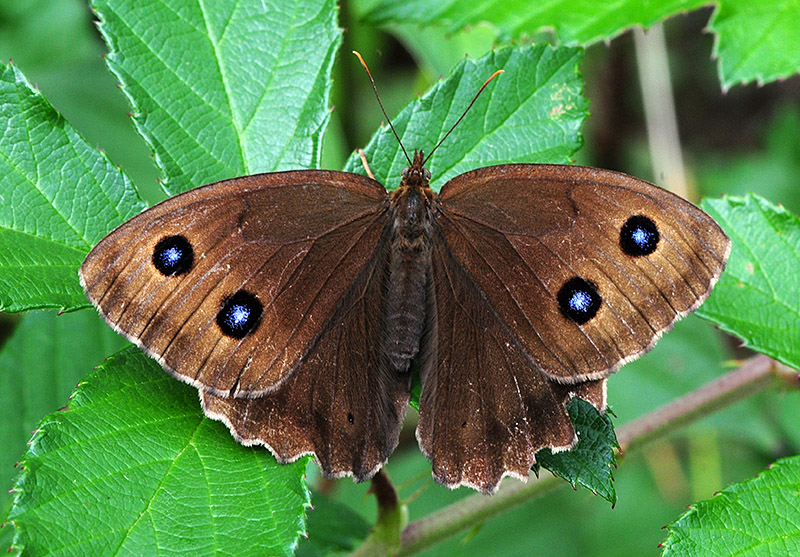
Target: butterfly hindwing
x: 485, y: 409
x: 343, y: 403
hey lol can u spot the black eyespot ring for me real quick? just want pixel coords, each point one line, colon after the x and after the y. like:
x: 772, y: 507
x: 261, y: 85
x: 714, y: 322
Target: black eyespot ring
x: 579, y: 300
x: 239, y: 315
x: 173, y: 256
x: 639, y: 236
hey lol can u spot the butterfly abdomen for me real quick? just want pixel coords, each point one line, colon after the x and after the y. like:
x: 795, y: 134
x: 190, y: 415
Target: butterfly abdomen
x: 405, y: 303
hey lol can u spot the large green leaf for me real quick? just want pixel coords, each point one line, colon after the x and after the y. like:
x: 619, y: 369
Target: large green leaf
x: 58, y: 196
x: 756, y: 41
x: 586, y: 22
x: 132, y: 466
x: 760, y: 516
x: 530, y: 113
x: 39, y: 367
x: 224, y: 90
x: 758, y: 296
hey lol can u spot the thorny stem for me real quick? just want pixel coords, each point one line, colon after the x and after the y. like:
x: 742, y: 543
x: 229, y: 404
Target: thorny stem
x: 753, y: 375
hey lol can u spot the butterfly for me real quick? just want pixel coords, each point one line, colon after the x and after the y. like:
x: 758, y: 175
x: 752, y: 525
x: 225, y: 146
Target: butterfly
x: 297, y: 301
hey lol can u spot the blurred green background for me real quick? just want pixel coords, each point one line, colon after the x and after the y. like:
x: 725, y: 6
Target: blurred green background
x: 744, y: 140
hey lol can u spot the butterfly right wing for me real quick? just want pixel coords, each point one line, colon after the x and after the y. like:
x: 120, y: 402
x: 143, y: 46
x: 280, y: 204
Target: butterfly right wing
x: 554, y: 250
x: 343, y: 403
x: 288, y: 244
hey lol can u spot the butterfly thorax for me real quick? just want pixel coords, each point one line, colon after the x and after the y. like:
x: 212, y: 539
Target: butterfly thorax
x: 406, y: 299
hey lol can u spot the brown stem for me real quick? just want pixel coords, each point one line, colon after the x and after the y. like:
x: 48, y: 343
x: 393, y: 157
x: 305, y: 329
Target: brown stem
x: 385, y: 494
x: 392, y: 517
x: 752, y: 376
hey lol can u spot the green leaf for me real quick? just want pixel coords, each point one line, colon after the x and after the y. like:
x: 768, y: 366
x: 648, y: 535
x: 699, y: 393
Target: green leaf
x: 41, y: 363
x: 224, y: 91
x: 531, y: 113
x: 132, y: 466
x: 758, y: 296
x: 591, y: 462
x: 333, y: 528
x: 56, y: 194
x: 757, y: 41
x: 760, y: 516
x: 587, y: 22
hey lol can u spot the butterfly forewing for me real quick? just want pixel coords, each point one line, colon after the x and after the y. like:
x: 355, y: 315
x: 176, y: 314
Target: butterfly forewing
x: 554, y: 251
x: 229, y: 285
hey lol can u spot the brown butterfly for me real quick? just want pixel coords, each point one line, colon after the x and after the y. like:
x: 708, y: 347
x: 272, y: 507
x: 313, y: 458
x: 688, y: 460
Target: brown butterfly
x: 296, y: 302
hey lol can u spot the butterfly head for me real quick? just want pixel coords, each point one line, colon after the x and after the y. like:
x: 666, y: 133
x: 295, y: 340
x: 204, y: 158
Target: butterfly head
x: 416, y: 175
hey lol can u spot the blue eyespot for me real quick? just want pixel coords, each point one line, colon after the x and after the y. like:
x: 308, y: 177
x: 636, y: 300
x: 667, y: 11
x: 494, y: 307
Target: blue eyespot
x: 579, y: 300
x: 239, y: 315
x: 173, y: 255
x: 638, y: 236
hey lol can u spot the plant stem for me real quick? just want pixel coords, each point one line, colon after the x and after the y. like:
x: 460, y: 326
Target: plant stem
x: 659, y: 109
x: 752, y: 376
x: 470, y: 512
x: 392, y: 517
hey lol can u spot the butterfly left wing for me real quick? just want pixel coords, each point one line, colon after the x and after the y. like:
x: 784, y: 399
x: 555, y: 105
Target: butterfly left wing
x: 485, y: 410
x: 343, y: 403
x: 228, y: 285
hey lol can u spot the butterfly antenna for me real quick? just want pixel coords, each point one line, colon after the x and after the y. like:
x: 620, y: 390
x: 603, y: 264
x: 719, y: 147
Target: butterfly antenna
x: 475, y: 98
x: 377, y: 96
